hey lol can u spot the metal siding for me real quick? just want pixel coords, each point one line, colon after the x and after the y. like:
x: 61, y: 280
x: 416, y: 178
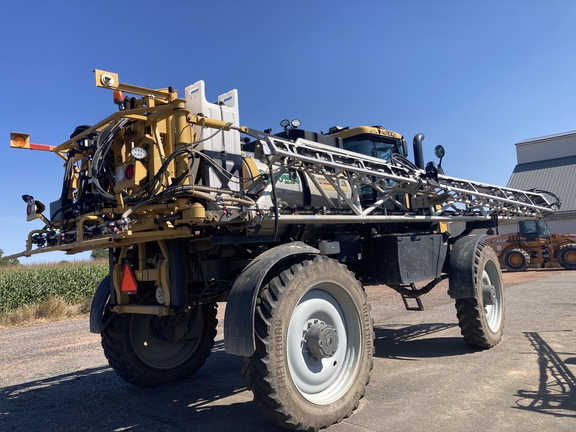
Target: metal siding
x: 563, y: 226
x: 561, y: 180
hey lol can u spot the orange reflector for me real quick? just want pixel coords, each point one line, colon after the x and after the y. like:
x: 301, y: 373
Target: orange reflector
x: 129, y: 284
x: 118, y: 97
x: 19, y: 141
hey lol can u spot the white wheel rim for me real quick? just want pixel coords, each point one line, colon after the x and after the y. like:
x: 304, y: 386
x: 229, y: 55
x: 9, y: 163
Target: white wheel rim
x: 323, y: 381
x: 493, y: 312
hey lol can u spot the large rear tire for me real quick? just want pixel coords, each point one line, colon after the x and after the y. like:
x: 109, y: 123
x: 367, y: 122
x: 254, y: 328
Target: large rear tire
x: 516, y: 259
x: 314, y: 345
x: 481, y: 318
x: 567, y: 257
x: 148, y: 350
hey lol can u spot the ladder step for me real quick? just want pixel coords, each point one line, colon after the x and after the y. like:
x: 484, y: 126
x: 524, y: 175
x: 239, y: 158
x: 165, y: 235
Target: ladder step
x: 419, y: 306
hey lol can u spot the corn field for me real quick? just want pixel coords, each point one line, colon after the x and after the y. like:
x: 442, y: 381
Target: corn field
x: 32, y: 284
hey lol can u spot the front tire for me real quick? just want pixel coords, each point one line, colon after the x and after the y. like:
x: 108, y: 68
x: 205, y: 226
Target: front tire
x: 314, y: 345
x: 148, y: 350
x: 516, y: 259
x: 481, y: 318
x: 567, y: 257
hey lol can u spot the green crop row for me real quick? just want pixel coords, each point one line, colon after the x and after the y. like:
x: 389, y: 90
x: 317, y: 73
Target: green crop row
x: 31, y: 284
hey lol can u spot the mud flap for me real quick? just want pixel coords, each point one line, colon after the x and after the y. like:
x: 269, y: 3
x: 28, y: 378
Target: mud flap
x: 97, y: 308
x: 461, y: 273
x: 239, y: 318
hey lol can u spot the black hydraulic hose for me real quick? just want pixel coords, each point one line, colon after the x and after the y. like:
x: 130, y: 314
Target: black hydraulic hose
x: 170, y: 193
x: 153, y: 184
x: 276, y: 203
x: 424, y: 290
x: 67, y: 182
x: 103, y: 145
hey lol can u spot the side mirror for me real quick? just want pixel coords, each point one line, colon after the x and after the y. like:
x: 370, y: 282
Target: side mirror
x: 439, y: 152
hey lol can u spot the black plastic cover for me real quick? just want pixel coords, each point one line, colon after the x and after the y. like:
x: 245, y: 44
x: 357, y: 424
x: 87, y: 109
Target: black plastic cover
x: 401, y: 259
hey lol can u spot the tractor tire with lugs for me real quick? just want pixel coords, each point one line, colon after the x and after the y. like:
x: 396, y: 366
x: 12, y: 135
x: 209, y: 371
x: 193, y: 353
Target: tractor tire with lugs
x: 149, y: 350
x: 516, y: 259
x: 314, y: 345
x: 481, y: 318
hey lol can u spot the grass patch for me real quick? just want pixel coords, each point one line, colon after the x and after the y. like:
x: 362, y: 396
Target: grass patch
x: 48, y: 310
x: 39, y: 293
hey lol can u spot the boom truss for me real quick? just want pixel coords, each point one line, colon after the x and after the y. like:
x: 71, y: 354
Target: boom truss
x: 433, y: 196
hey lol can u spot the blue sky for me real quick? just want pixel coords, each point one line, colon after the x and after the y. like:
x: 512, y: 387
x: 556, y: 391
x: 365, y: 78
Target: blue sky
x: 474, y: 76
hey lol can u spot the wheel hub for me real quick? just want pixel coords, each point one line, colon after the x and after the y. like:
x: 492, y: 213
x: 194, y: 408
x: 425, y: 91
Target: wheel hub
x: 169, y: 328
x: 321, y: 340
x: 489, y: 294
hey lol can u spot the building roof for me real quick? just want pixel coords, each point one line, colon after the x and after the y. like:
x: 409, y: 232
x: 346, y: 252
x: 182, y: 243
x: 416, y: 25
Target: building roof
x: 547, y: 137
x: 555, y: 175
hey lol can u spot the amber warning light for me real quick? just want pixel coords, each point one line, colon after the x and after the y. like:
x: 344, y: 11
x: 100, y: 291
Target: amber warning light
x: 22, y: 141
x: 118, y: 97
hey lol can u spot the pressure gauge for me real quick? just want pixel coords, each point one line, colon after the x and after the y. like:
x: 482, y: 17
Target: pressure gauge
x: 138, y: 153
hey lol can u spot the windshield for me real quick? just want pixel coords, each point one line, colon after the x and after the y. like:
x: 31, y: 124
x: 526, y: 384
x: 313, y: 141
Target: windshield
x: 375, y: 148
x: 381, y: 148
x: 543, y: 228
x: 537, y: 228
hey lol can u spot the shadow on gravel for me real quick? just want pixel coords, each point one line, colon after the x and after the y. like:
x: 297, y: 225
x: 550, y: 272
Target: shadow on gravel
x: 97, y: 399
x: 556, y: 394
x: 408, y: 343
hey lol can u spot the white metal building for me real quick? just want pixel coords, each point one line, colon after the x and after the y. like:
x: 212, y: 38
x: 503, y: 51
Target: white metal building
x: 549, y: 163
x: 545, y: 163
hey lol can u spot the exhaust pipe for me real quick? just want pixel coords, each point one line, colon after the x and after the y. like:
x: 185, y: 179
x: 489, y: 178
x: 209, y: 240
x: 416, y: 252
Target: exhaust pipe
x: 418, y: 154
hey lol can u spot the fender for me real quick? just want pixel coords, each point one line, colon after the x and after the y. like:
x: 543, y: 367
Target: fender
x: 97, y: 308
x: 239, y: 318
x: 461, y: 273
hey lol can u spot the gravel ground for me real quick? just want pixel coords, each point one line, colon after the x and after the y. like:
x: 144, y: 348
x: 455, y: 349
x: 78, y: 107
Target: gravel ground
x: 43, y: 351
x: 55, y: 377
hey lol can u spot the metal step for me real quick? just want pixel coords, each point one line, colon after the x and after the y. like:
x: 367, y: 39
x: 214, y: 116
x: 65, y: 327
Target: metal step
x: 419, y: 306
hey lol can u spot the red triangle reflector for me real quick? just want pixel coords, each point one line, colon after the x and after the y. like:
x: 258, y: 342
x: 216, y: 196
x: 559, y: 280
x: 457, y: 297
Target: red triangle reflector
x: 129, y: 284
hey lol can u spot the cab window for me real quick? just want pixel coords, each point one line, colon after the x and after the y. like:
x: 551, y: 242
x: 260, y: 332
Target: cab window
x: 381, y: 149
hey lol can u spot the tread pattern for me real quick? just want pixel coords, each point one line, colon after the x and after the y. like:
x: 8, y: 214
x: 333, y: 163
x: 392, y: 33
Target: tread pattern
x: 470, y: 311
x: 257, y: 367
x: 520, y: 268
x: 567, y: 250
x: 126, y: 363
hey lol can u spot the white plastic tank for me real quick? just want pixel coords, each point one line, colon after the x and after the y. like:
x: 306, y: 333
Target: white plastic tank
x: 224, y: 147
